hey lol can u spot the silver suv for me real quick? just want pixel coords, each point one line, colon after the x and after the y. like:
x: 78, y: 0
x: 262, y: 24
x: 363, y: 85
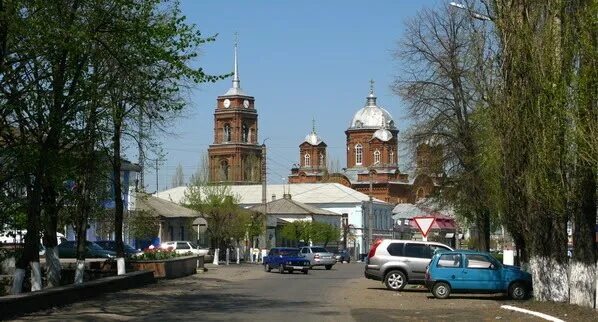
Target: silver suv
x: 318, y: 256
x: 398, y: 262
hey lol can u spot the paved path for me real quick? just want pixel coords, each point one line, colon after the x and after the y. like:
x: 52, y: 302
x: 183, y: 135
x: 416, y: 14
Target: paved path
x: 247, y: 293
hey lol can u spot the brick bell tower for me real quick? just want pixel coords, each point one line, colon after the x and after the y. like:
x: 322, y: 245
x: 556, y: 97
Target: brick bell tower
x: 235, y: 156
x: 312, y: 160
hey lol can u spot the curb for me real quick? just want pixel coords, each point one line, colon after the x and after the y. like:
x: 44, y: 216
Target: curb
x: 538, y: 314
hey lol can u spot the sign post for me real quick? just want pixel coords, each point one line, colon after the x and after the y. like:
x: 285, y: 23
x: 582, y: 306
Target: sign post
x: 424, y: 224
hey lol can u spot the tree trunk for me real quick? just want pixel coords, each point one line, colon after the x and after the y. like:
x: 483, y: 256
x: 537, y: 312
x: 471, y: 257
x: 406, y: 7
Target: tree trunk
x: 81, y: 231
x: 118, y: 196
x: 50, y: 238
x: 583, y: 266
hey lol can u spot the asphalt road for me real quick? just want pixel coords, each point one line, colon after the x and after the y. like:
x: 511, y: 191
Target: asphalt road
x: 247, y: 293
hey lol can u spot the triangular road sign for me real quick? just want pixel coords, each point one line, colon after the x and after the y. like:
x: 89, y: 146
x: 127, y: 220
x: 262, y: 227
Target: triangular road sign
x: 424, y: 224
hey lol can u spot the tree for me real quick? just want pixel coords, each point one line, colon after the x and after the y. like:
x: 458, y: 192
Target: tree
x: 439, y: 53
x: 324, y: 233
x: 179, y: 178
x: 298, y: 230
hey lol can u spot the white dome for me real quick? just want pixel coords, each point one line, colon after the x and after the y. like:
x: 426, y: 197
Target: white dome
x: 383, y: 134
x: 372, y: 116
x: 313, y: 139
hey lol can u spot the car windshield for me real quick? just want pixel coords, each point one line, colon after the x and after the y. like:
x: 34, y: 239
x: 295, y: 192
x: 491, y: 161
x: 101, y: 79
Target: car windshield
x: 289, y: 252
x: 94, y: 246
x: 193, y: 245
x: 319, y: 250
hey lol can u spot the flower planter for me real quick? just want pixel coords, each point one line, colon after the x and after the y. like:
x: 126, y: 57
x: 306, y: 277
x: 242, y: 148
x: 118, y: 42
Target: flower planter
x: 168, y: 268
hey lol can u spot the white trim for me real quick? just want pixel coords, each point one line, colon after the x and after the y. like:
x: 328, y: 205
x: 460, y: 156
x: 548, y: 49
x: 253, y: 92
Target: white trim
x: 358, y: 154
x: 538, y: 314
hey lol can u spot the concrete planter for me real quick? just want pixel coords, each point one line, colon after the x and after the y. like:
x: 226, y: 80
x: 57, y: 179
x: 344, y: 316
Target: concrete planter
x: 169, y: 268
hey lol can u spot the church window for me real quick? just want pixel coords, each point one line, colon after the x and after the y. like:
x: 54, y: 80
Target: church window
x: 223, y: 172
x: 227, y: 134
x: 420, y: 194
x: 244, y: 133
x: 376, y: 157
x: 307, y: 161
x: 358, y: 154
x: 391, y: 157
x: 322, y: 160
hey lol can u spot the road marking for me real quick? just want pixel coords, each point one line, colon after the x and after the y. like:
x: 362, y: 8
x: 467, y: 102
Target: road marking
x: 538, y: 314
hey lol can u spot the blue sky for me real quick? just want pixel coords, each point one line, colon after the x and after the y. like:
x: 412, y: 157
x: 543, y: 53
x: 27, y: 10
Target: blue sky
x: 300, y: 60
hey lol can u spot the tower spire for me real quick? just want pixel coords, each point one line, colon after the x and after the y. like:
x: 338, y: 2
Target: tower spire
x: 313, y: 124
x: 372, y: 97
x: 236, y: 81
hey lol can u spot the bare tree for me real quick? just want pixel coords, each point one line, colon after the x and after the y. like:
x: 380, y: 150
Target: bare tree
x: 440, y: 54
x: 179, y: 178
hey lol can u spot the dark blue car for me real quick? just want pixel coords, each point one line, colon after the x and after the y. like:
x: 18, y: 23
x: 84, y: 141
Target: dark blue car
x: 285, y: 259
x: 463, y: 271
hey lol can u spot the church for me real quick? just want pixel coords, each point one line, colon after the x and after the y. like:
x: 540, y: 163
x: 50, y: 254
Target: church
x: 372, y: 159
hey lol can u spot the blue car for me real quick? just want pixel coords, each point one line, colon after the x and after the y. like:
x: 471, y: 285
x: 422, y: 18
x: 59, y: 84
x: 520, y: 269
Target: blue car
x: 463, y: 271
x: 285, y: 259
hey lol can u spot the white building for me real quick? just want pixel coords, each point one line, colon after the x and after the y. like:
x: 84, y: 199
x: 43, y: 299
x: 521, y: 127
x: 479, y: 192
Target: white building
x: 334, y: 197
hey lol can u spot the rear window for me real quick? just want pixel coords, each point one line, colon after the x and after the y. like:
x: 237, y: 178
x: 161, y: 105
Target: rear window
x: 416, y: 250
x: 319, y: 250
x: 449, y: 261
x: 182, y: 246
x: 395, y: 249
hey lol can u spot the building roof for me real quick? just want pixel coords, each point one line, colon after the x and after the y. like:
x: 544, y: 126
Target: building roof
x: 309, y: 193
x: 372, y: 116
x: 163, y: 208
x: 288, y: 206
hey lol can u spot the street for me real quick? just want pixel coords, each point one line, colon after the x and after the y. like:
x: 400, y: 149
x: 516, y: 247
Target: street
x: 247, y: 293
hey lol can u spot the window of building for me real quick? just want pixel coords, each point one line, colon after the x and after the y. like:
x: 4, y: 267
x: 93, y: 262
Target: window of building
x: 307, y: 161
x: 420, y: 194
x: 391, y: 157
x: 376, y: 157
x: 358, y: 154
x: 322, y: 164
x: 223, y: 171
x: 245, y: 133
x: 182, y: 232
x: 226, y: 135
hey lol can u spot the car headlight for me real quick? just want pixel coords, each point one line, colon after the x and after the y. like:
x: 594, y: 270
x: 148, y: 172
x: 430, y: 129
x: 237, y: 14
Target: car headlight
x: 289, y: 263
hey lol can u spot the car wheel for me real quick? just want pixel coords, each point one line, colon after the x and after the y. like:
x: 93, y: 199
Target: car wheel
x: 281, y: 269
x: 328, y: 267
x: 518, y: 291
x: 305, y: 271
x: 348, y: 260
x: 395, y: 280
x: 441, y: 290
x: 267, y: 267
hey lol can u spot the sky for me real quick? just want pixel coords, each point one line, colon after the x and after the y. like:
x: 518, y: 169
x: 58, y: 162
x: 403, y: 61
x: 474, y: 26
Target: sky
x: 301, y: 60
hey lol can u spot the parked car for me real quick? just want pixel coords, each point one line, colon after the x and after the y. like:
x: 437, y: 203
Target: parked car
x: 183, y: 246
x: 318, y: 256
x: 285, y: 259
x: 111, y: 246
x: 475, y: 272
x: 68, y: 249
x: 400, y: 262
x: 342, y: 256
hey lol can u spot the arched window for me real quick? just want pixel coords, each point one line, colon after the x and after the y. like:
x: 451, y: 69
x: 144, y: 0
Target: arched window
x: 322, y: 164
x: 420, y: 194
x: 223, y: 172
x: 376, y: 157
x: 391, y: 157
x: 307, y: 161
x: 358, y: 154
x: 244, y: 133
x: 226, y: 134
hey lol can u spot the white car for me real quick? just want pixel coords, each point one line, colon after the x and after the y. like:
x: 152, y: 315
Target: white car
x: 182, y: 247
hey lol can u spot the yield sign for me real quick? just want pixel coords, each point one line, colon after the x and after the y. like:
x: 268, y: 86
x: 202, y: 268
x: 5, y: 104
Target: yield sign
x: 424, y: 224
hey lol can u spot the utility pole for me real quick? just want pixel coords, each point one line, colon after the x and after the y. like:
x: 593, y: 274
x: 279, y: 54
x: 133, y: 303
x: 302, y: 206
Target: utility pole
x: 371, y: 215
x: 345, y: 218
x: 264, y: 189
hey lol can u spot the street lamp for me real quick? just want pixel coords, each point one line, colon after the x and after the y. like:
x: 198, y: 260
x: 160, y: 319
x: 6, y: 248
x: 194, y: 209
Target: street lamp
x: 472, y: 13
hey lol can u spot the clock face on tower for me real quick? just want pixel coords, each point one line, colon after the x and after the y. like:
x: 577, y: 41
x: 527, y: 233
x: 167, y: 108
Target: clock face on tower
x: 246, y: 103
x: 226, y: 103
